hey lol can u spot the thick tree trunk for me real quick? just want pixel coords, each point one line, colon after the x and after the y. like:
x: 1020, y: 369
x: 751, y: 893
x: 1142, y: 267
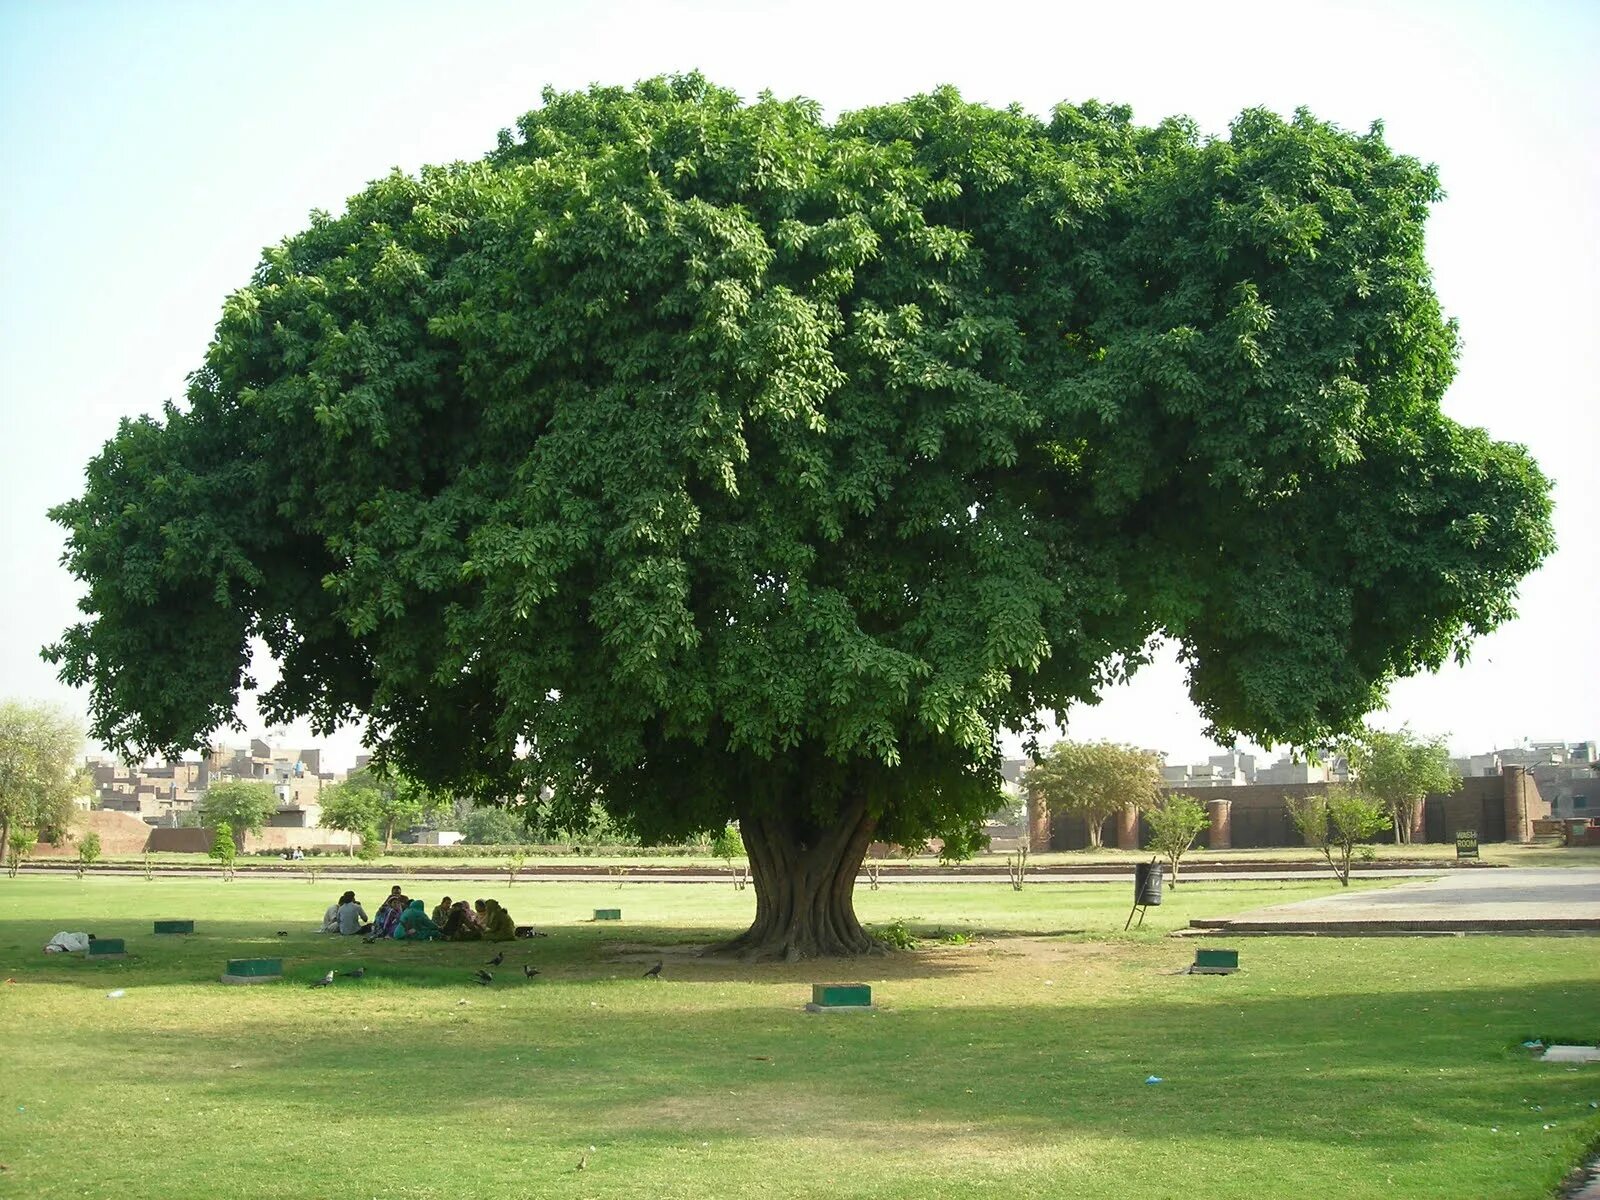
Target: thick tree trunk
x: 805, y: 878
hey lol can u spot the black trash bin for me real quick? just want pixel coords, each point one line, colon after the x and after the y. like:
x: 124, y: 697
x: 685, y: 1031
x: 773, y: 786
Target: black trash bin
x: 1147, y: 880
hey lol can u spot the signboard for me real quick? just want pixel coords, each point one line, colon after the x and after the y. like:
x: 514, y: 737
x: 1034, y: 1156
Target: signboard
x: 1467, y: 844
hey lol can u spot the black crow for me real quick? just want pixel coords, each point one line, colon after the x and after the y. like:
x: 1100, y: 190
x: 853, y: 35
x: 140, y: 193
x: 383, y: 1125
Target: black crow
x: 529, y: 972
x: 498, y: 959
x: 483, y: 977
x: 654, y: 972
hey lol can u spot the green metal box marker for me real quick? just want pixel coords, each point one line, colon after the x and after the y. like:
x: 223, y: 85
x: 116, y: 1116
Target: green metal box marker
x: 608, y: 914
x: 1215, y: 962
x: 253, y: 970
x: 174, y: 926
x: 106, y: 948
x: 840, y: 997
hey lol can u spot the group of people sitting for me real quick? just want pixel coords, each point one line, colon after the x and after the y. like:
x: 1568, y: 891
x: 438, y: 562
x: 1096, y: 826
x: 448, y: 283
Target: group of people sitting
x: 403, y: 918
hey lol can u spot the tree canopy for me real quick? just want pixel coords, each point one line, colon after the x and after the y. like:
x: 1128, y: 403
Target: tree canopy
x: 240, y: 806
x: 1399, y: 769
x: 41, y: 776
x: 701, y: 458
x: 369, y: 802
x: 1093, y: 780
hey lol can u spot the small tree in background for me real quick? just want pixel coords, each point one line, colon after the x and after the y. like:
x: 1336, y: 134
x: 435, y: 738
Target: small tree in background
x: 19, y: 845
x: 727, y: 846
x: 1334, y: 822
x: 1093, y: 780
x: 239, y: 806
x: 88, y: 852
x: 39, y: 773
x: 492, y: 827
x: 1174, y: 824
x: 386, y: 802
x: 223, y: 848
x: 1399, y: 770
x: 349, y: 809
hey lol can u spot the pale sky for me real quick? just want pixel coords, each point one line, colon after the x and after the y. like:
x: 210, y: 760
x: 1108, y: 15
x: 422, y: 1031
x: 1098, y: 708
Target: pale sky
x: 149, y: 151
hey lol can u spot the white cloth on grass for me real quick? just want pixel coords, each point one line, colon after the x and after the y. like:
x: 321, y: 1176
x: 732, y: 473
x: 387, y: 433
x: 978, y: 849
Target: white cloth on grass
x: 64, y: 943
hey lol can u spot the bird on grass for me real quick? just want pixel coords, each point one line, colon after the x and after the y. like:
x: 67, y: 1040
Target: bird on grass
x: 498, y: 959
x: 283, y: 933
x: 358, y: 973
x: 529, y: 972
x: 325, y: 981
x: 655, y: 971
x: 483, y: 977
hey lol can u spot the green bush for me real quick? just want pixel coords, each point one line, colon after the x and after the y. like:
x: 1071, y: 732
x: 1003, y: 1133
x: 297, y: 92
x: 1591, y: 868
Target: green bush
x: 897, y: 935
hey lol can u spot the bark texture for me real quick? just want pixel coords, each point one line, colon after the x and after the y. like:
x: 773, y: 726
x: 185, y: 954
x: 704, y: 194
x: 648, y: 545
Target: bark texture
x: 805, y: 878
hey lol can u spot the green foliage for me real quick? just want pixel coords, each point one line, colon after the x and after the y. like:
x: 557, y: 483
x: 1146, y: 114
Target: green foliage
x: 223, y: 848
x: 40, y: 776
x: 371, y: 844
x: 699, y: 459
x: 897, y: 935
x: 88, y: 852
x: 381, y: 800
x: 240, y: 806
x: 728, y: 845
x: 1174, y: 824
x: 1400, y: 769
x: 489, y: 826
x: 19, y: 844
x: 1093, y: 780
x: 1334, y: 821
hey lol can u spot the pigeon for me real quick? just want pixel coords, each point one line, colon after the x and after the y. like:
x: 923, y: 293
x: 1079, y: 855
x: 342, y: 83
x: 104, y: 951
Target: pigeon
x: 529, y: 972
x: 325, y: 981
x: 483, y: 977
x: 498, y: 959
x: 654, y: 972
x: 358, y: 973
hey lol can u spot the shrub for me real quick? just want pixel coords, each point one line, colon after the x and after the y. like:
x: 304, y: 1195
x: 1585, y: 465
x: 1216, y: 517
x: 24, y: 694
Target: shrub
x: 88, y: 852
x: 1174, y: 824
x: 1335, y: 822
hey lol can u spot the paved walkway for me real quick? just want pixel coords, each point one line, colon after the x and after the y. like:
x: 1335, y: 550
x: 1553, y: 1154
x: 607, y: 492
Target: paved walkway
x: 1512, y: 900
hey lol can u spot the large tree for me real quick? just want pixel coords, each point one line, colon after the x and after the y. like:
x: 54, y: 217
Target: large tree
x: 1400, y: 769
x: 710, y: 460
x: 41, y: 777
x: 1093, y: 780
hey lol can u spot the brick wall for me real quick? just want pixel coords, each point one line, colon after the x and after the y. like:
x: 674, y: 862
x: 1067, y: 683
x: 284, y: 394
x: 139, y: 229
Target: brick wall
x: 1260, y: 818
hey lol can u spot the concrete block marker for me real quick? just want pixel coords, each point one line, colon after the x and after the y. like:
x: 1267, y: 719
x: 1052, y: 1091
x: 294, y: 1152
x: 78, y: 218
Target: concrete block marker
x: 253, y: 970
x: 1571, y: 1054
x: 841, y: 997
x: 608, y: 914
x: 1215, y: 962
x: 174, y: 927
x: 107, y: 948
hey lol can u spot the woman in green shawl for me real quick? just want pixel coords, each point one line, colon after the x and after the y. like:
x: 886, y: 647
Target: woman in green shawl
x: 414, y: 924
x: 497, y: 923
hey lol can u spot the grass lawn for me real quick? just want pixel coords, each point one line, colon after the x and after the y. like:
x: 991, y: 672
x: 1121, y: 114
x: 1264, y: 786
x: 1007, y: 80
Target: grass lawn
x: 1010, y: 1065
